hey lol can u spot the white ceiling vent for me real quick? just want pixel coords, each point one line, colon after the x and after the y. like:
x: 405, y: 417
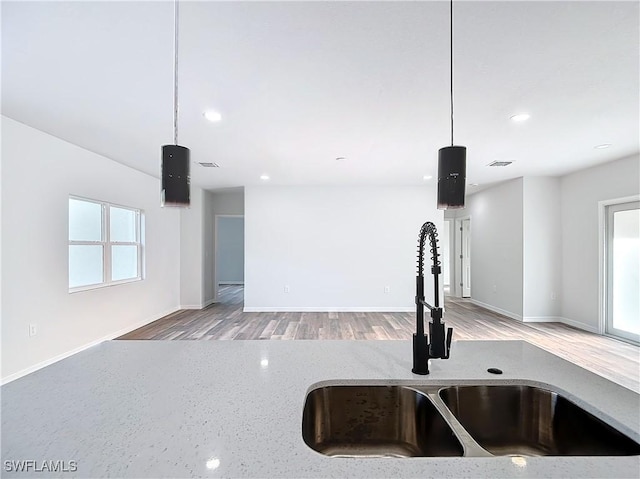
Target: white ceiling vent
x: 500, y: 163
x: 210, y: 165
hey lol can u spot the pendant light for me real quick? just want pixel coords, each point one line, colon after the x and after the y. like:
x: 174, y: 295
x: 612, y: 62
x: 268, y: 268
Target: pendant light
x: 452, y: 160
x: 175, y: 158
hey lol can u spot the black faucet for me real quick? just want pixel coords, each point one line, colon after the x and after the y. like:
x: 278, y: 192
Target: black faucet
x: 440, y: 346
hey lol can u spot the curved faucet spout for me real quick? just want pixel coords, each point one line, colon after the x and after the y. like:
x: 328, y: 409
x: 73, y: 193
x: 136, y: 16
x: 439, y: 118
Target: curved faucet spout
x: 428, y: 229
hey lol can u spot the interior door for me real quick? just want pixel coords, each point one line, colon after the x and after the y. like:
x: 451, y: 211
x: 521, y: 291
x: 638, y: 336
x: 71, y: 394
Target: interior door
x: 622, y: 245
x: 466, y: 258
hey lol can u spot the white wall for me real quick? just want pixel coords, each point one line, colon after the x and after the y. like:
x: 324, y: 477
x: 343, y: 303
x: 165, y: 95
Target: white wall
x: 197, y: 251
x: 229, y: 202
x: 39, y: 172
x: 209, y: 291
x: 580, y: 194
x: 335, y: 247
x: 497, y: 247
x: 536, y: 238
x: 192, y: 252
x: 542, y: 252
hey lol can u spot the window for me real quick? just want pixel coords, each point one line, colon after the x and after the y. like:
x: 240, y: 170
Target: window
x: 623, y: 270
x: 105, y: 246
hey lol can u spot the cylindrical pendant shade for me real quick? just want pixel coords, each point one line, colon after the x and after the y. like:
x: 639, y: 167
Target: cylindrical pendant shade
x: 175, y: 176
x: 452, y: 174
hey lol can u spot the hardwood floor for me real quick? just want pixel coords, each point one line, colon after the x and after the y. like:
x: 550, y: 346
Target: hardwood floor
x: 615, y: 360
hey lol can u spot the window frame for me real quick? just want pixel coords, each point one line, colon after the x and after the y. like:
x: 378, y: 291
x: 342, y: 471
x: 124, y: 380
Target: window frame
x: 107, y: 245
x: 610, y: 211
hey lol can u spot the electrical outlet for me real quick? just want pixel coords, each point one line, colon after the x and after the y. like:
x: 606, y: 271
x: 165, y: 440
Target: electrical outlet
x: 286, y: 288
x: 33, y: 330
x: 387, y: 289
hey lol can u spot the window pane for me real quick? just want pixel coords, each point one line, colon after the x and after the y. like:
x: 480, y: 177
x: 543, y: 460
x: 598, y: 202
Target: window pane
x: 85, y: 265
x: 85, y: 220
x: 123, y: 224
x: 626, y: 268
x: 124, y: 262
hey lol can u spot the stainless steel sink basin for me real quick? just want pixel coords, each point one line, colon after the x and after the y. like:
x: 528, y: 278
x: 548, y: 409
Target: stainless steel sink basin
x: 376, y: 421
x: 470, y: 421
x: 529, y: 421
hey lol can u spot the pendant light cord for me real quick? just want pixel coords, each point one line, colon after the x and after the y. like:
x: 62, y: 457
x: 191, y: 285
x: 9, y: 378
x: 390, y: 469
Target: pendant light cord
x: 175, y: 74
x: 451, y: 65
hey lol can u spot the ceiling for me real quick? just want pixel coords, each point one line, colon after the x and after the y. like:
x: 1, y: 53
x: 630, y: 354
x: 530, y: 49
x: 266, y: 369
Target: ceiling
x: 299, y: 84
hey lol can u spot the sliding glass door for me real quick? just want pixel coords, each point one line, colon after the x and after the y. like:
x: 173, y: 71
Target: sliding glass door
x: 623, y: 270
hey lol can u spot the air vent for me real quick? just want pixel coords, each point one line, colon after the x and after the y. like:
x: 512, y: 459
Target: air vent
x: 210, y: 165
x: 500, y: 163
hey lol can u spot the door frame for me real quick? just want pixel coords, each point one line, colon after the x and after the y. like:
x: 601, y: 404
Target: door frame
x: 603, y: 259
x: 457, y: 251
x: 466, y: 259
x: 448, y: 225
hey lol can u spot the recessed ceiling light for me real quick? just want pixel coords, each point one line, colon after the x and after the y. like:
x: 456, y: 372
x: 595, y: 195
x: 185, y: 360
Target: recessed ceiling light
x: 340, y: 158
x: 212, y: 115
x: 603, y: 146
x: 520, y: 117
x: 473, y: 184
x: 264, y: 177
x: 427, y: 177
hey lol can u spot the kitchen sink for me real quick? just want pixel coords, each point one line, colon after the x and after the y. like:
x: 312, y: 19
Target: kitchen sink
x: 376, y: 421
x: 454, y: 421
x: 530, y: 421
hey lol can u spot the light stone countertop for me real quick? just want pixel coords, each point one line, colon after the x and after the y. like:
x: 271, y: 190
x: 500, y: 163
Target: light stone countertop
x: 172, y: 408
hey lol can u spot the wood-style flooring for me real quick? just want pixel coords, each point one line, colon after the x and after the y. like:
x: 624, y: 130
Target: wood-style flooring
x: 613, y: 359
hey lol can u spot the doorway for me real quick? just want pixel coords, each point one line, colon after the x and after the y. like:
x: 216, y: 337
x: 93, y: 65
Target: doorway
x: 229, y: 256
x: 622, y: 271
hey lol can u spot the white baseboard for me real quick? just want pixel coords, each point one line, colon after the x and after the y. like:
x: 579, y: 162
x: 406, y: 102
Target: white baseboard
x: 327, y: 309
x: 191, y: 306
x: 220, y: 283
x: 539, y: 319
x: 198, y: 306
x: 542, y: 319
x: 503, y: 312
x: 579, y: 325
x: 59, y: 357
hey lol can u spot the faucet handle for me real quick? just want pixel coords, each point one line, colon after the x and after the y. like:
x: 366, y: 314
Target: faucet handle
x: 437, y: 346
x: 447, y: 348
